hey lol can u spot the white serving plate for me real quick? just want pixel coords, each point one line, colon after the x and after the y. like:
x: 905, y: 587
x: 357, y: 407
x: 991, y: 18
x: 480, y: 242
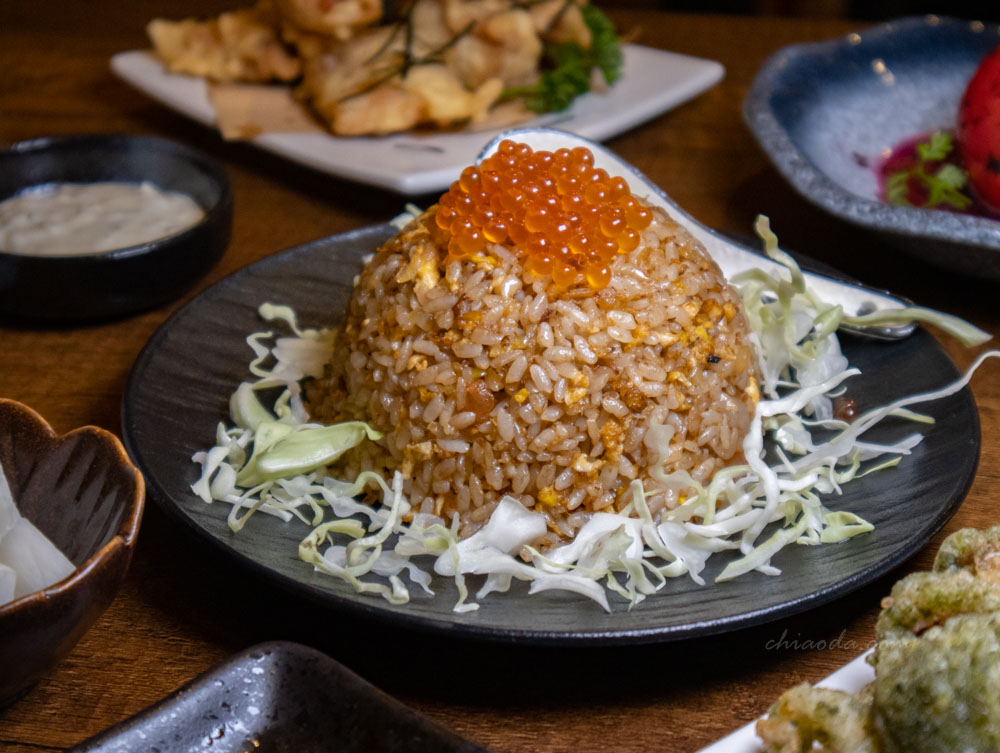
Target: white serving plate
x: 851, y: 678
x: 653, y: 81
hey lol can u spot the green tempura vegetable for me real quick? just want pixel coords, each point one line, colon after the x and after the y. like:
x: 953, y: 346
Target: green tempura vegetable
x: 937, y: 681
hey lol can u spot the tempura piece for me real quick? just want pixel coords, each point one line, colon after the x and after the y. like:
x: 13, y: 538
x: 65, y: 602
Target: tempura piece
x: 973, y: 550
x: 817, y: 720
x: 243, y: 45
x: 937, y: 678
x: 922, y: 600
x: 940, y: 691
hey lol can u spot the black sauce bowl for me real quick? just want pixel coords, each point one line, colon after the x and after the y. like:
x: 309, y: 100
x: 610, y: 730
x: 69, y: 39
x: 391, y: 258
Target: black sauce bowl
x: 113, y: 283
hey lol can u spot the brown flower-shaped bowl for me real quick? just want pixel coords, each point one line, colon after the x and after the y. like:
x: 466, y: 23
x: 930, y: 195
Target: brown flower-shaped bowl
x: 82, y: 491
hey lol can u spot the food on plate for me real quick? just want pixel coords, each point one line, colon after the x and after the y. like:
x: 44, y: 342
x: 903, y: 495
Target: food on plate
x: 29, y: 561
x: 959, y: 171
x: 927, y: 172
x: 979, y: 130
x: 937, y: 682
x: 62, y: 219
x: 242, y: 45
x: 546, y: 379
x: 807, y: 719
x: 334, y: 18
x: 527, y: 337
x: 364, y: 69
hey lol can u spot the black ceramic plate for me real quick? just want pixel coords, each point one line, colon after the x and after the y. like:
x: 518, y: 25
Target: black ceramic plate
x: 279, y: 697
x: 179, y: 390
x: 826, y: 112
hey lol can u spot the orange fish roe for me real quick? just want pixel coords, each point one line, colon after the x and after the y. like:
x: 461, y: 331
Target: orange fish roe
x: 567, y: 218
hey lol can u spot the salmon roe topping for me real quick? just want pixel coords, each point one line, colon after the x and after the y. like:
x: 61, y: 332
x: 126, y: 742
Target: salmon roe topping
x: 566, y: 217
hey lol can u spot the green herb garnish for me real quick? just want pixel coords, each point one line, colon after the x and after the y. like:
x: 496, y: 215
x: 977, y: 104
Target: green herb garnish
x: 943, y: 185
x: 937, y: 147
x: 570, y: 66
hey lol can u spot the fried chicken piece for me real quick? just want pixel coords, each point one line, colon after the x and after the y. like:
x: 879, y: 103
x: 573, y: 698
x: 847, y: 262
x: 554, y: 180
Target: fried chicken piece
x: 560, y: 22
x: 506, y: 42
x: 458, y: 14
x: 445, y: 64
x: 504, y: 46
x: 553, y: 20
x: 336, y: 18
x: 243, y: 45
x: 807, y: 719
x: 427, y: 94
x: 373, y: 84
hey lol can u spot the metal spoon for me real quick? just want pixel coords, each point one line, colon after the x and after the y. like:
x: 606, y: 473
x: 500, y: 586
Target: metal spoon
x: 733, y: 258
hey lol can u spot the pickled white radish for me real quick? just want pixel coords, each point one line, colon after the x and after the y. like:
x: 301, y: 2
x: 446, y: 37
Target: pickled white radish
x: 29, y: 562
x: 7, y: 579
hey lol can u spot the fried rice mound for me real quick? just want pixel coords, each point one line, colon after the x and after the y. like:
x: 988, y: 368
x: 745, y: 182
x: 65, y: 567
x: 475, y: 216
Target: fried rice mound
x: 489, y: 381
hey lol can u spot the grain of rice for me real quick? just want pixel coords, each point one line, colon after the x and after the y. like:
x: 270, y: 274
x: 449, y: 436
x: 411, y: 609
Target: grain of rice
x: 564, y: 479
x: 517, y: 369
x: 557, y: 354
x: 466, y: 350
x: 540, y: 378
x: 462, y: 420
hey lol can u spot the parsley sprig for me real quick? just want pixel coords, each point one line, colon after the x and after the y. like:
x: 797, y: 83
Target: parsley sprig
x: 944, y: 185
x: 569, y: 67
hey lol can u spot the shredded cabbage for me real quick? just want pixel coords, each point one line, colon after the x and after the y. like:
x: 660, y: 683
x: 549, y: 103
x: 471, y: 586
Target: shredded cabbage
x: 275, y: 461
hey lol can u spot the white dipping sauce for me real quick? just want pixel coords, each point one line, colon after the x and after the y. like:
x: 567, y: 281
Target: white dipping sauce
x: 61, y: 219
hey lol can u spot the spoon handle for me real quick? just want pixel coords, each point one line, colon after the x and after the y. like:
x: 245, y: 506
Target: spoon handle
x: 854, y: 297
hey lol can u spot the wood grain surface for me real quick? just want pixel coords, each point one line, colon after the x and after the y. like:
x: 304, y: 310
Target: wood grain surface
x: 183, y: 609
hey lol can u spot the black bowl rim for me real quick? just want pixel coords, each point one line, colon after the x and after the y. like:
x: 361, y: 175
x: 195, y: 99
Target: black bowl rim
x: 128, y: 531
x: 208, y: 165
x: 816, y: 186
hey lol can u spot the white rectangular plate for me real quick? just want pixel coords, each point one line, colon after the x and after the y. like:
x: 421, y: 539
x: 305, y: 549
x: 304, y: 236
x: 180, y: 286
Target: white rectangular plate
x: 653, y: 81
x: 851, y: 678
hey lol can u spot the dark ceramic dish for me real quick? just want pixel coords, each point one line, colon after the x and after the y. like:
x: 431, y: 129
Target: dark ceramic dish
x: 281, y: 697
x: 826, y: 114
x: 179, y: 391
x: 112, y: 283
x: 82, y: 492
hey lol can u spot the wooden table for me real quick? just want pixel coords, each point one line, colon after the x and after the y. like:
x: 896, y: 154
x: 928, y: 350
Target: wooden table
x: 183, y: 610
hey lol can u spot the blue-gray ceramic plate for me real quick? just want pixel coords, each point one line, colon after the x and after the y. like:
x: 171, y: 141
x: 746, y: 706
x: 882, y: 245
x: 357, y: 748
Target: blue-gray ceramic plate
x: 827, y: 113
x: 179, y: 391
